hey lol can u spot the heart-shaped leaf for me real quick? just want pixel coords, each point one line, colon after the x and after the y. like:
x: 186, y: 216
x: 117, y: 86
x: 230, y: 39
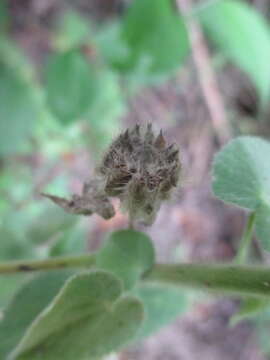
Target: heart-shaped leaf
x: 29, y: 301
x: 88, y: 319
x: 127, y: 254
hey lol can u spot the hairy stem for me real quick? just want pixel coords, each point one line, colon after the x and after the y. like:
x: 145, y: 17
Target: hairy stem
x: 227, y: 278
x: 231, y: 279
x: 245, y: 241
x: 87, y: 260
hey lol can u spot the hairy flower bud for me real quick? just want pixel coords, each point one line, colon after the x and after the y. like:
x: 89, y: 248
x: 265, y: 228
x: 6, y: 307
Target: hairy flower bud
x: 142, y: 171
x: 139, y: 168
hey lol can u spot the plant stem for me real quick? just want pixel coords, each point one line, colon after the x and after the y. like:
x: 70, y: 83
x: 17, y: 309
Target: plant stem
x: 231, y: 279
x: 87, y: 260
x: 245, y: 241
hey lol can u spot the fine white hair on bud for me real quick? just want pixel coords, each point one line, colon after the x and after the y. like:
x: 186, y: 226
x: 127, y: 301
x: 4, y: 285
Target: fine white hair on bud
x: 139, y: 168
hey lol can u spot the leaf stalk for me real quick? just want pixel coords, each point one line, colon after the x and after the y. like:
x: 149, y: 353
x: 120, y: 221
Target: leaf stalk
x: 242, y: 252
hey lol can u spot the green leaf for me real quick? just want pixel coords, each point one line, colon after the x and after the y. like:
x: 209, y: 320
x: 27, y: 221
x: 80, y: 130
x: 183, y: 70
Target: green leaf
x: 51, y: 222
x: 73, y: 30
x: 162, y: 305
x: 9, y: 285
x: 155, y: 37
x: 88, y: 319
x: 13, y: 245
x: 15, y: 60
x: 29, y: 301
x: 112, y: 46
x: 262, y: 336
x: 18, y: 111
x: 250, y: 307
x: 70, y: 242
x: 241, y: 173
x: 105, y: 111
x: 70, y: 85
x: 127, y: 254
x: 243, y: 36
x: 261, y: 324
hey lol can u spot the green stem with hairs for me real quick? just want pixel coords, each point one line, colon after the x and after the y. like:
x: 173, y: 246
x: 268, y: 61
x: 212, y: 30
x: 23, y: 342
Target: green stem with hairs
x: 242, y: 252
x: 61, y: 262
x: 228, y: 278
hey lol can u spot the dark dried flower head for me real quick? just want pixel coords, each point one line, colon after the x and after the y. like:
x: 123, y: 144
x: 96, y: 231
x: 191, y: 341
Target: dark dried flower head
x: 141, y: 170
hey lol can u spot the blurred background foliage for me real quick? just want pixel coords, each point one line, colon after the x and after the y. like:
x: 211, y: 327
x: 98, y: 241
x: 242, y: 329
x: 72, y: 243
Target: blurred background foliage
x: 64, y: 98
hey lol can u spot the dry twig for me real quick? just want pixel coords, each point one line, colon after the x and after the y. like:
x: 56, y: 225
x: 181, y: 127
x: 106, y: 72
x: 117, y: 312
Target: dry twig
x: 206, y: 74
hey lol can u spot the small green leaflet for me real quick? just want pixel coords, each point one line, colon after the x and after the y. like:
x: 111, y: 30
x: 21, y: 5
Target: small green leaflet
x: 127, y: 254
